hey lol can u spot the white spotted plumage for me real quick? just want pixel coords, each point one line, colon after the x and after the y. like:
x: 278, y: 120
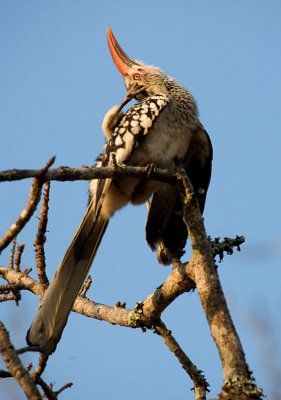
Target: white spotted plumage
x: 134, y: 124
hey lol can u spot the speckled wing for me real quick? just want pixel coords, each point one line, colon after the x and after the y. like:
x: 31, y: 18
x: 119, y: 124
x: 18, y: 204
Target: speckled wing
x: 133, y: 126
x: 127, y: 135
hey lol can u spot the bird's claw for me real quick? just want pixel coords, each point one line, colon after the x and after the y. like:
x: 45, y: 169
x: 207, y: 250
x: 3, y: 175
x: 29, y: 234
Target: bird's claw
x: 150, y: 168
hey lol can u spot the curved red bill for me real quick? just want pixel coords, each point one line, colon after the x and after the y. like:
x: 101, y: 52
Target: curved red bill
x: 120, y: 58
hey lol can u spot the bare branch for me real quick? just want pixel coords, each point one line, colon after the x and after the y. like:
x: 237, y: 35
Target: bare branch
x: 33, y: 200
x: 48, y: 389
x: 12, y: 253
x: 20, y: 249
x: 41, y: 238
x: 15, y: 366
x: 42, y: 363
x: 49, y: 394
x: 199, y: 273
x: 65, y: 386
x: 8, y: 297
x: 27, y: 348
x: 87, y: 173
x: 200, y: 383
x: 202, y: 270
x: 22, y: 281
x: 86, y: 286
x: 148, y: 310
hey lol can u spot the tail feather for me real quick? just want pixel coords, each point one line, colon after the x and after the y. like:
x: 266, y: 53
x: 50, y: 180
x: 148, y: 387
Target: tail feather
x: 51, y: 318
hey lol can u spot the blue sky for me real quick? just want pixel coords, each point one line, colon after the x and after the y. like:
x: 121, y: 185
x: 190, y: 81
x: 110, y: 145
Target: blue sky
x: 57, y: 81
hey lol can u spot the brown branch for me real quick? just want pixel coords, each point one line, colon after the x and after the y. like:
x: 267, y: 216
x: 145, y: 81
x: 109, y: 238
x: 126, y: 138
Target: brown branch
x: 12, y: 253
x: 200, y: 383
x: 202, y: 270
x: 8, y: 297
x: 88, y: 173
x: 42, y: 363
x: 65, y: 386
x: 33, y: 200
x: 48, y: 389
x: 86, y: 286
x: 22, y: 281
x: 27, y: 348
x: 41, y: 238
x: 6, y: 289
x: 20, y: 249
x: 176, y: 284
x: 147, y: 311
x: 48, y: 392
x: 15, y: 366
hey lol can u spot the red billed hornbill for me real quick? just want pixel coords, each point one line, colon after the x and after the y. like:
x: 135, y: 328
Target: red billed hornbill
x: 162, y: 127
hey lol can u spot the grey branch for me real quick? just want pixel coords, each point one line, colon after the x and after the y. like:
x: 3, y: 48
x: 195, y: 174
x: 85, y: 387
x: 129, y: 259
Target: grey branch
x: 86, y: 173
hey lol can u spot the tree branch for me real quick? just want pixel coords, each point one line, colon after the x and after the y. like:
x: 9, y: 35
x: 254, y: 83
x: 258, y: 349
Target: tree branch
x: 40, y: 239
x: 200, y: 383
x: 87, y: 173
x: 15, y: 366
x: 33, y: 200
x: 199, y: 273
x: 202, y: 270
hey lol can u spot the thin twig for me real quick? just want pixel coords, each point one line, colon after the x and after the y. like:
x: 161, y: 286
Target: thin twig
x: 20, y: 249
x: 12, y: 253
x: 48, y: 389
x: 28, y: 348
x: 15, y: 366
x: 49, y: 394
x: 8, y: 297
x: 86, y: 286
x: 16, y: 264
x: 66, y: 386
x: 200, y: 383
x: 41, y: 238
x: 42, y: 363
x: 33, y: 200
x: 7, y: 288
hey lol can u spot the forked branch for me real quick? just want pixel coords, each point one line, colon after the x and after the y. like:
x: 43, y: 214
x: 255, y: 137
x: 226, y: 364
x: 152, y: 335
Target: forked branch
x: 200, y: 272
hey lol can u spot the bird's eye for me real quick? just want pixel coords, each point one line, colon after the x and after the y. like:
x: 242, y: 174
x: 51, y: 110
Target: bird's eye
x: 136, y: 76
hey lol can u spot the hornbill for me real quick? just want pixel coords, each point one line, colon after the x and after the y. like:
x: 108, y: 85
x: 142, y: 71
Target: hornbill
x: 161, y: 127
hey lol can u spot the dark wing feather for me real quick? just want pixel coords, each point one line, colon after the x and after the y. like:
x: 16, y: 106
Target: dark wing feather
x: 165, y: 229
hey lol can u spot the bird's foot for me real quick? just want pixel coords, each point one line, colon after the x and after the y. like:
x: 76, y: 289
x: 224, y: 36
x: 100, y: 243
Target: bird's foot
x: 150, y: 168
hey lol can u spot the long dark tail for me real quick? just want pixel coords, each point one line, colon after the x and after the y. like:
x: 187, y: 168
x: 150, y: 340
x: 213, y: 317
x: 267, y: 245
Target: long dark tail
x: 50, y: 320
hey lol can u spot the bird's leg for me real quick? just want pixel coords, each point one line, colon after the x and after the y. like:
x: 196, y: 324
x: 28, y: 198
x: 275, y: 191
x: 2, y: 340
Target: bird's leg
x: 140, y: 187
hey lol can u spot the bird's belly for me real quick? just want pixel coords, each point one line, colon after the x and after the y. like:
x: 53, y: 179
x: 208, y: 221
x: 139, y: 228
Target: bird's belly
x: 160, y: 147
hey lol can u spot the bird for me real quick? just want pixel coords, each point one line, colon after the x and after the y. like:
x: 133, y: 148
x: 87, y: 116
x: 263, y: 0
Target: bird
x: 159, y: 129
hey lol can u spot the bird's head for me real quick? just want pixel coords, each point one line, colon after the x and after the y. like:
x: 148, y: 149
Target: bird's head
x: 140, y: 80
